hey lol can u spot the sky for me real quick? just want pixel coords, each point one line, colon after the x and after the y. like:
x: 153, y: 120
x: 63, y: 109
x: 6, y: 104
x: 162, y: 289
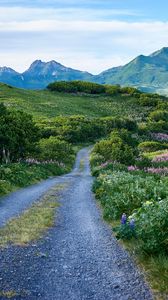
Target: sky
x: 89, y: 35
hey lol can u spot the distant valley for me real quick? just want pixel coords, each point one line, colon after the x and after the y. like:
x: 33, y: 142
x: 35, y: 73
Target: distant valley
x: 148, y: 73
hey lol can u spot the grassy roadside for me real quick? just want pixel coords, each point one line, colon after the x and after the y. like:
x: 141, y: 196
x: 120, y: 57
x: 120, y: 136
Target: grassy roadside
x: 154, y: 267
x: 17, y: 175
x: 34, y: 222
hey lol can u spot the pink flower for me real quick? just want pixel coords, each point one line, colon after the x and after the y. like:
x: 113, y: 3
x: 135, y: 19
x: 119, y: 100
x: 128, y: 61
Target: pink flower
x: 160, y: 171
x: 160, y: 136
x: 133, y: 168
x: 161, y: 157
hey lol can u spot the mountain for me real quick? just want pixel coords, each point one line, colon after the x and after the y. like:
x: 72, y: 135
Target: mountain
x: 40, y: 74
x: 9, y: 76
x: 148, y: 73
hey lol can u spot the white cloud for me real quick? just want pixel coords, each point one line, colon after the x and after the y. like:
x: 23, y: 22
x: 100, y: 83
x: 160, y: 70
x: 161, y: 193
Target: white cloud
x: 69, y: 13
x: 78, y: 38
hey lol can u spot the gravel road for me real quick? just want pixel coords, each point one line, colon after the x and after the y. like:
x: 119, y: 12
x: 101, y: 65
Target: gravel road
x: 78, y: 258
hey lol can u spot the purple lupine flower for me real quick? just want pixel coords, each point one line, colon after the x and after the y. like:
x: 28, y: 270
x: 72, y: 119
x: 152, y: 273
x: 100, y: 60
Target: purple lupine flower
x: 124, y: 219
x: 132, y: 224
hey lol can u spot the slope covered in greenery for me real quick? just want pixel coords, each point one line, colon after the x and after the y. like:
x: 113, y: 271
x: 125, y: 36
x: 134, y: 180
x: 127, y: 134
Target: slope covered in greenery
x: 149, y: 73
x: 45, y: 104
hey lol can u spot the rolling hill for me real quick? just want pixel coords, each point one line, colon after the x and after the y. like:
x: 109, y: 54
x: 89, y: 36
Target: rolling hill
x: 149, y: 73
x: 45, y: 105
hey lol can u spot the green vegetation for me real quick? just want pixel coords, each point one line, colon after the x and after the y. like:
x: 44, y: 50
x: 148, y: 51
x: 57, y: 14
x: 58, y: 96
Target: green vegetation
x: 77, y: 87
x: 18, y: 134
x: 149, y: 73
x: 9, y: 294
x: 127, y: 127
x: 132, y: 189
x: 45, y: 105
x: 33, y: 223
x: 17, y: 175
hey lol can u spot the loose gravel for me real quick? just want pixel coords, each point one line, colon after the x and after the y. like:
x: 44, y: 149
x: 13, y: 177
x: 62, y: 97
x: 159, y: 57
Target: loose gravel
x: 78, y: 259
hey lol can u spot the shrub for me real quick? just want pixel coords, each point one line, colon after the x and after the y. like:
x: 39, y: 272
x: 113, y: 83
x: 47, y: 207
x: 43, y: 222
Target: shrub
x: 124, y: 192
x: 145, y: 100
x: 151, y: 226
x: 114, y: 149
x: 113, y: 122
x: 160, y: 126
x: 143, y: 162
x: 158, y: 115
x: 112, y: 89
x: 129, y: 90
x: 151, y: 146
x: 96, y: 159
x: 77, y: 86
x: 125, y: 135
x: 18, y: 134
x: 56, y: 149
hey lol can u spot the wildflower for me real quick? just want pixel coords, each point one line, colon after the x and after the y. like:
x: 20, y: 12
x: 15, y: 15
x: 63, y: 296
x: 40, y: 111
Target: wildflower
x: 160, y: 136
x: 124, y: 219
x: 161, y: 171
x: 162, y: 157
x: 133, y: 168
x: 132, y: 224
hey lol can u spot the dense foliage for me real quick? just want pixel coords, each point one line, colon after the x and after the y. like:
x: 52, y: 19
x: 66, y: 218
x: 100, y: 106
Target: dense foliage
x: 77, y: 87
x: 133, y: 188
x: 55, y: 149
x: 18, y: 134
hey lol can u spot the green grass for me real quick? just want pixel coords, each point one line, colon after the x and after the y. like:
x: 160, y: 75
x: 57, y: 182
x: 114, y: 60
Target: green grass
x: 8, y: 294
x: 17, y: 175
x: 154, y: 267
x: 152, y: 155
x: 44, y: 104
x: 33, y: 223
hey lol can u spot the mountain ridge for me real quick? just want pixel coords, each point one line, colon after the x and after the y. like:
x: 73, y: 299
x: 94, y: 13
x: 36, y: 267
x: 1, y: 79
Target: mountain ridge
x: 148, y: 73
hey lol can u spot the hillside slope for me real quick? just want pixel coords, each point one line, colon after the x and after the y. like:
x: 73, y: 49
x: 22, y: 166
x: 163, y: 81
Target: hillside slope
x: 149, y: 73
x: 47, y: 105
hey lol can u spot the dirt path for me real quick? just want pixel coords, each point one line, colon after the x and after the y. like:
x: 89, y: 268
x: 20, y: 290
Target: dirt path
x: 78, y: 258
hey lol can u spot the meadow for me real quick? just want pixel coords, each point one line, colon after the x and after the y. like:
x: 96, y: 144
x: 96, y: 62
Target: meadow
x: 45, y: 104
x: 41, y: 131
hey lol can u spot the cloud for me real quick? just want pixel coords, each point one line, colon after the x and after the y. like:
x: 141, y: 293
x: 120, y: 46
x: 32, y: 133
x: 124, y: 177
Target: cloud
x: 84, y: 38
x: 18, y: 14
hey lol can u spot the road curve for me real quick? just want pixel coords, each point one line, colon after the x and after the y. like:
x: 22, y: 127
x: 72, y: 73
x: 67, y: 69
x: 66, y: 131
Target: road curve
x: 78, y: 259
x: 15, y: 203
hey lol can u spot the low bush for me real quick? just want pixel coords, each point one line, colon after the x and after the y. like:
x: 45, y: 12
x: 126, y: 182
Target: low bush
x: 145, y: 100
x: 124, y: 192
x: 158, y: 115
x: 151, y: 146
x: 56, y: 149
x: 160, y: 126
x: 118, y: 123
x: 115, y: 150
x: 151, y: 226
x: 77, y: 87
x: 18, y: 175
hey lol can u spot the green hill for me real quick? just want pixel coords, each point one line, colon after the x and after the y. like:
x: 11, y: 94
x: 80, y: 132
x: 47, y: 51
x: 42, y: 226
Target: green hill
x: 149, y: 73
x: 44, y: 104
